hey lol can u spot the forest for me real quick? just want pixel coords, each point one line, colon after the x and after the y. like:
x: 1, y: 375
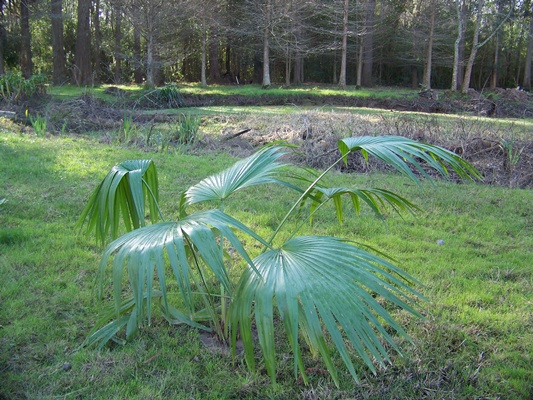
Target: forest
x: 442, y: 44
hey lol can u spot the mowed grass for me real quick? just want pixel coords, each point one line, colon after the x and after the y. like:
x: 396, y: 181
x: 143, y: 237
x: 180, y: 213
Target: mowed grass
x: 471, y: 248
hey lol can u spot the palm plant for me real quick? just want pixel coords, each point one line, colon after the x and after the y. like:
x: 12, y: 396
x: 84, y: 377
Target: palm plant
x: 325, y: 291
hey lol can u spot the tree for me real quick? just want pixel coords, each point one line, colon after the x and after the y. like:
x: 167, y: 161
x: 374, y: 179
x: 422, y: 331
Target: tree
x: 117, y: 36
x: 318, y: 284
x: 457, y: 66
x: 58, y: 48
x: 26, y: 64
x: 367, y: 46
x: 342, y: 77
x: 426, y: 78
x: 95, y: 18
x: 266, y: 43
x: 2, y: 37
x: 473, y: 51
x: 526, y: 83
x: 82, y: 70
x: 476, y: 45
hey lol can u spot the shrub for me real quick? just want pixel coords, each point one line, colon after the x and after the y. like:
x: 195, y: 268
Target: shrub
x: 313, y: 284
x: 15, y: 88
x: 167, y: 96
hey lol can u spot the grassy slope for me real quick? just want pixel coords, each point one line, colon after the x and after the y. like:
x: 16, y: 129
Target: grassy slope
x: 67, y: 91
x: 477, y: 341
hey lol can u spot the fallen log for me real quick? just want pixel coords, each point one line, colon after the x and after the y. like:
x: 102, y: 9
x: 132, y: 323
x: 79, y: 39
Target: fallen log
x: 8, y: 114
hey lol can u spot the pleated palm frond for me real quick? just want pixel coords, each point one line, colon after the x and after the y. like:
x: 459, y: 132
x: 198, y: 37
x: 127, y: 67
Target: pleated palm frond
x: 400, y: 152
x: 376, y: 199
x: 260, y: 168
x: 321, y: 282
x: 191, y: 247
x: 123, y: 192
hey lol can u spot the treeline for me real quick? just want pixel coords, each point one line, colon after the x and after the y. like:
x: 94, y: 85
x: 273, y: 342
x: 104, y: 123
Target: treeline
x: 453, y: 44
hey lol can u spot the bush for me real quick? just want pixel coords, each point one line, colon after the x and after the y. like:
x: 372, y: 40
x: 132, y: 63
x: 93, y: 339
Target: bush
x: 321, y: 288
x: 167, y: 96
x: 14, y: 88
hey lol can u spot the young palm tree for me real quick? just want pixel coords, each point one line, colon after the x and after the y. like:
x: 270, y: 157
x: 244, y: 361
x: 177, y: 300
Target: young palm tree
x: 317, y: 284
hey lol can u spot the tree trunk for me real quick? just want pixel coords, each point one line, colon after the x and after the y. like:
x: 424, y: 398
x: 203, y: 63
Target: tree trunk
x: 2, y: 37
x: 137, y: 65
x: 494, y: 72
x: 26, y: 65
x: 288, y: 62
x: 214, y: 69
x: 529, y: 56
x: 82, y: 60
x: 203, y: 68
x: 59, y: 73
x: 457, y: 48
x: 97, y: 41
x: 150, y: 71
x: 473, y: 52
x: 342, y: 76
x: 368, y: 45
x: 118, y: 42
x: 359, y: 76
x: 266, y: 44
x: 426, y: 78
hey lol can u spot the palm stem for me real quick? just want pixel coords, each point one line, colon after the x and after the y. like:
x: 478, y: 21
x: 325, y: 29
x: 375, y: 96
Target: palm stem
x: 297, y: 202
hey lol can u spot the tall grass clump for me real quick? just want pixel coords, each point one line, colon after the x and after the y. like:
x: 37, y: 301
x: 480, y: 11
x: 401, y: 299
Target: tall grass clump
x: 168, y: 96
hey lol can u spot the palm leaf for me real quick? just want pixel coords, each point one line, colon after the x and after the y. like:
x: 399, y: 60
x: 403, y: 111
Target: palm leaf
x: 260, y: 168
x: 316, y: 283
x: 376, y: 199
x: 399, y: 152
x: 191, y: 247
x: 123, y: 191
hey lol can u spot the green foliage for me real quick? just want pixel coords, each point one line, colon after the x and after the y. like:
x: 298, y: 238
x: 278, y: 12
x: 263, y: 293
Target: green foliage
x: 128, y: 128
x: 186, y: 129
x: 168, y: 96
x: 15, y: 88
x: 311, y: 280
x: 512, y: 152
x: 38, y: 123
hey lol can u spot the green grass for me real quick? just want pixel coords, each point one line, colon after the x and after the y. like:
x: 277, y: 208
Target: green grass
x: 71, y: 91
x: 477, y: 341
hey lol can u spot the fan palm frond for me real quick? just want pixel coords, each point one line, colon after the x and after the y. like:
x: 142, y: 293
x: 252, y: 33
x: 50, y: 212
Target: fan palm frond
x: 124, y: 191
x: 400, y: 152
x: 320, y: 282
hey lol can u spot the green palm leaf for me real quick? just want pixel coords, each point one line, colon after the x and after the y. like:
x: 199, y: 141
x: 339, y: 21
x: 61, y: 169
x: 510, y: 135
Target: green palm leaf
x: 191, y: 247
x: 376, y: 199
x: 123, y: 191
x: 316, y: 283
x: 260, y: 168
x: 399, y: 152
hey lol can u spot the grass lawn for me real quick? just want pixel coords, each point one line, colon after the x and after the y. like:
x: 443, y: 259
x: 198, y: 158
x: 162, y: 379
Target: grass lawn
x: 70, y: 91
x: 471, y: 247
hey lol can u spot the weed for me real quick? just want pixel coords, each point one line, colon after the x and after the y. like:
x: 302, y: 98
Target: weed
x: 38, y: 123
x: 129, y: 129
x: 512, y: 152
x: 185, y: 131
